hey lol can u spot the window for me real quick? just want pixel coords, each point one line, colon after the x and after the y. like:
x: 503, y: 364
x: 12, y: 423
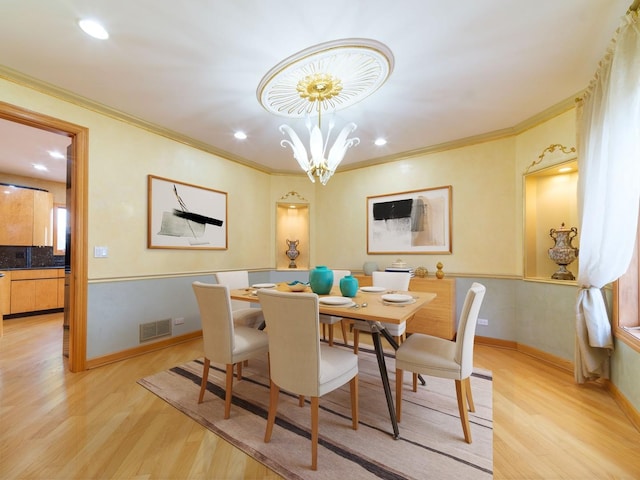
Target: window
x: 59, y: 229
x: 627, y: 302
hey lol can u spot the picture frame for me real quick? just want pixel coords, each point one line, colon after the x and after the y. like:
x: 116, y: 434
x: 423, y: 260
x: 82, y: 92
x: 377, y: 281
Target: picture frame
x: 412, y: 222
x: 185, y: 216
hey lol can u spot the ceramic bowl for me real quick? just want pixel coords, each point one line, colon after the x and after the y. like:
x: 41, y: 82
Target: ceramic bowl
x: 297, y: 286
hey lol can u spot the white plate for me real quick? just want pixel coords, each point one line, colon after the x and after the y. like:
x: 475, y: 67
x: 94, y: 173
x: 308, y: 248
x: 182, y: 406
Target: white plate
x: 335, y: 301
x: 399, y: 304
x: 397, y: 298
x: 264, y: 285
x: 373, y: 289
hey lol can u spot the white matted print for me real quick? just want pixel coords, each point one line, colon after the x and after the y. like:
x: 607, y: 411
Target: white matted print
x: 185, y: 216
x: 417, y: 221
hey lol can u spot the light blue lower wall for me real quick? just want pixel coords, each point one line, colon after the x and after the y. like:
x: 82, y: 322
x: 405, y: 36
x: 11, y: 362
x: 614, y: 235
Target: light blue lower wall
x: 536, y: 314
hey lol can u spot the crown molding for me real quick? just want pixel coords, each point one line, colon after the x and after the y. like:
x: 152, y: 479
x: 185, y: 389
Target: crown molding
x: 70, y: 97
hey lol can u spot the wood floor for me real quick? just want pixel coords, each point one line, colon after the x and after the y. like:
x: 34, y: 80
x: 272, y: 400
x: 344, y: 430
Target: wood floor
x: 101, y: 425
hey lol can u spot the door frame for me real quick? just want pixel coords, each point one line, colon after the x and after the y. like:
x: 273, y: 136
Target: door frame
x: 77, y: 217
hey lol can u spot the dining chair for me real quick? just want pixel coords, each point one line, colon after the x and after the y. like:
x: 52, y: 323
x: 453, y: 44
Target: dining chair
x: 438, y: 357
x: 392, y: 281
x: 330, y: 320
x: 299, y: 363
x: 242, y: 315
x: 225, y: 342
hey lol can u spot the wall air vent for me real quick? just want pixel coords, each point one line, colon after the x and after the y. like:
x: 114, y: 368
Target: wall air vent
x: 151, y: 330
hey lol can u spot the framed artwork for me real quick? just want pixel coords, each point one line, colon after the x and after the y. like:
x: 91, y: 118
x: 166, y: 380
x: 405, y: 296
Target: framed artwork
x: 185, y: 216
x: 418, y: 221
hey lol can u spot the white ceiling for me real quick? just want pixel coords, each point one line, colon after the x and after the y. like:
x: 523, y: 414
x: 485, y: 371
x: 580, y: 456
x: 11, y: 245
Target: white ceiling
x: 462, y: 69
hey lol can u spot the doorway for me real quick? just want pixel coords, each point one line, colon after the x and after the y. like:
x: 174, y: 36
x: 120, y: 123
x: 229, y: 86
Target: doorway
x: 76, y: 268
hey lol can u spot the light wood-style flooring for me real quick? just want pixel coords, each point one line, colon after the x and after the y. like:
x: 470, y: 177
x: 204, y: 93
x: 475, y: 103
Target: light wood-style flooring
x: 100, y: 424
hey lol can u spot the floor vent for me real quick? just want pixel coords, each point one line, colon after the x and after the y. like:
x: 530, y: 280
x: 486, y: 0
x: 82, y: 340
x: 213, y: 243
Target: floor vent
x: 151, y: 330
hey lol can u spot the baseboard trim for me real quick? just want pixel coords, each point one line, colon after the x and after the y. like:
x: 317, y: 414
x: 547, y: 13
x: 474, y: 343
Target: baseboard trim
x: 142, y: 349
x: 629, y: 410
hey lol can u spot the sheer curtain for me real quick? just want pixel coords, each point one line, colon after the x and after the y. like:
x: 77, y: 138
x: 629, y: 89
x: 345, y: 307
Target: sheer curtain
x: 608, y: 127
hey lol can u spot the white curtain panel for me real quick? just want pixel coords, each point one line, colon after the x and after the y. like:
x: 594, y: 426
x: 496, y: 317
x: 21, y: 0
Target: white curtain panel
x: 608, y: 192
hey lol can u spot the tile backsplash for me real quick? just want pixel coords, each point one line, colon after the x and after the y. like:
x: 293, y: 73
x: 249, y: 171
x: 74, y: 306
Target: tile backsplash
x: 29, y: 257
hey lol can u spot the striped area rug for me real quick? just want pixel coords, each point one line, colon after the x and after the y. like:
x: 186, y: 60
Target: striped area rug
x: 431, y: 444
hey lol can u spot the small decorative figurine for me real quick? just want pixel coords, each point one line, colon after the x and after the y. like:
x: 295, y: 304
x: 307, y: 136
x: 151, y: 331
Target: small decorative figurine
x: 439, y: 272
x: 421, y: 272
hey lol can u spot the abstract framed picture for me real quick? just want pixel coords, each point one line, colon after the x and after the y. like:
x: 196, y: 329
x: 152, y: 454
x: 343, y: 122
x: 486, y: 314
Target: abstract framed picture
x: 418, y: 221
x: 185, y: 216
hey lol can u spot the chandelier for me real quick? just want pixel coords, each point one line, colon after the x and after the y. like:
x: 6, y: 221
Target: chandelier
x: 318, y: 81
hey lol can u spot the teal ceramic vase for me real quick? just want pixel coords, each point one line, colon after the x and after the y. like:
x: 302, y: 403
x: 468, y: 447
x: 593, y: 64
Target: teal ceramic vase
x: 321, y: 280
x: 349, y: 286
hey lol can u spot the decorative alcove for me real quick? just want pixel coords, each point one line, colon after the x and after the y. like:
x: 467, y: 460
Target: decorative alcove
x: 292, y: 225
x: 550, y: 205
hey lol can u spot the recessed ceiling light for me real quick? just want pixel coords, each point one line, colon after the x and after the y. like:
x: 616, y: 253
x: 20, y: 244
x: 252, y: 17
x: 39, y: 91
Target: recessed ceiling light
x: 564, y: 169
x: 380, y: 142
x: 55, y: 154
x: 240, y: 135
x: 94, y: 29
x: 40, y: 167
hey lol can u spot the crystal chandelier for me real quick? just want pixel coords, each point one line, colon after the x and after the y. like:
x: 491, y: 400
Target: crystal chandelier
x: 323, y: 79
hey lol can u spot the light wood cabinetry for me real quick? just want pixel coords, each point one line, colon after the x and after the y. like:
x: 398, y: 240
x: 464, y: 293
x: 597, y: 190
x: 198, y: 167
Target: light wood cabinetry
x: 26, y: 217
x: 34, y: 290
x: 16, y: 211
x: 5, y: 293
x: 42, y: 219
x: 438, y: 317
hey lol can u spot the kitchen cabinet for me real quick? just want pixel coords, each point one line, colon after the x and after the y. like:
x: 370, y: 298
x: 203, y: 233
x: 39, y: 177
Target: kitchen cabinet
x: 5, y: 293
x: 27, y: 217
x: 35, y: 290
x: 438, y: 317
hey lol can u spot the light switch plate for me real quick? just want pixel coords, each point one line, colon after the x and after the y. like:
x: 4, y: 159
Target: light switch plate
x: 100, y: 252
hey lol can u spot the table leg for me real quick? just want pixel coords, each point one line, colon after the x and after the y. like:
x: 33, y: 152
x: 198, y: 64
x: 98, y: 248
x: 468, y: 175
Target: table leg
x: 395, y: 346
x: 377, y: 343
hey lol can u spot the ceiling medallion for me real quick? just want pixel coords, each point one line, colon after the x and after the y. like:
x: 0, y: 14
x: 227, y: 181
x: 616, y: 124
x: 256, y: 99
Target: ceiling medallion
x: 328, y: 77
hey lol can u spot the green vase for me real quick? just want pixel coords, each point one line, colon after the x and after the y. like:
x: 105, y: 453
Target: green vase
x: 321, y: 280
x: 349, y: 286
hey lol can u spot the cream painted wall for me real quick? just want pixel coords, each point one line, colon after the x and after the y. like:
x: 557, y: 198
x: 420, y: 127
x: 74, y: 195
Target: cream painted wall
x: 483, y: 205
x: 120, y: 158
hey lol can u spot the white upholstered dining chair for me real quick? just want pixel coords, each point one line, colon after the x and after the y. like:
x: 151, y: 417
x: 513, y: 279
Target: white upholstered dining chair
x: 438, y: 357
x: 299, y: 363
x: 243, y: 312
x: 330, y: 320
x: 392, y: 281
x: 224, y: 342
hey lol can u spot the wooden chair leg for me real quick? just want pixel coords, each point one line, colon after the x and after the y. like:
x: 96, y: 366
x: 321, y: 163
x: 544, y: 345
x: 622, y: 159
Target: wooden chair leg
x: 399, y: 377
x: 273, y: 407
x: 472, y: 407
x: 331, y: 335
x: 461, y: 393
x: 324, y: 331
x: 228, y: 392
x: 355, y: 412
x: 239, y: 370
x: 344, y: 332
x: 205, y: 376
x: 356, y: 340
x: 301, y: 400
x: 315, y: 410
x: 414, y: 377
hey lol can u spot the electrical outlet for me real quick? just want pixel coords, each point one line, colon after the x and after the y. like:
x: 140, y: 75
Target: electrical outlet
x: 483, y: 321
x: 178, y: 321
x: 100, y: 252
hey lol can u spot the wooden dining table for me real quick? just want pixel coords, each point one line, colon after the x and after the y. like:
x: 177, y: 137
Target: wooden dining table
x: 375, y: 312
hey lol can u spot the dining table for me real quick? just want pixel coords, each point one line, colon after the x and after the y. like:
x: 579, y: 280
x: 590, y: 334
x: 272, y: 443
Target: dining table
x: 369, y: 305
